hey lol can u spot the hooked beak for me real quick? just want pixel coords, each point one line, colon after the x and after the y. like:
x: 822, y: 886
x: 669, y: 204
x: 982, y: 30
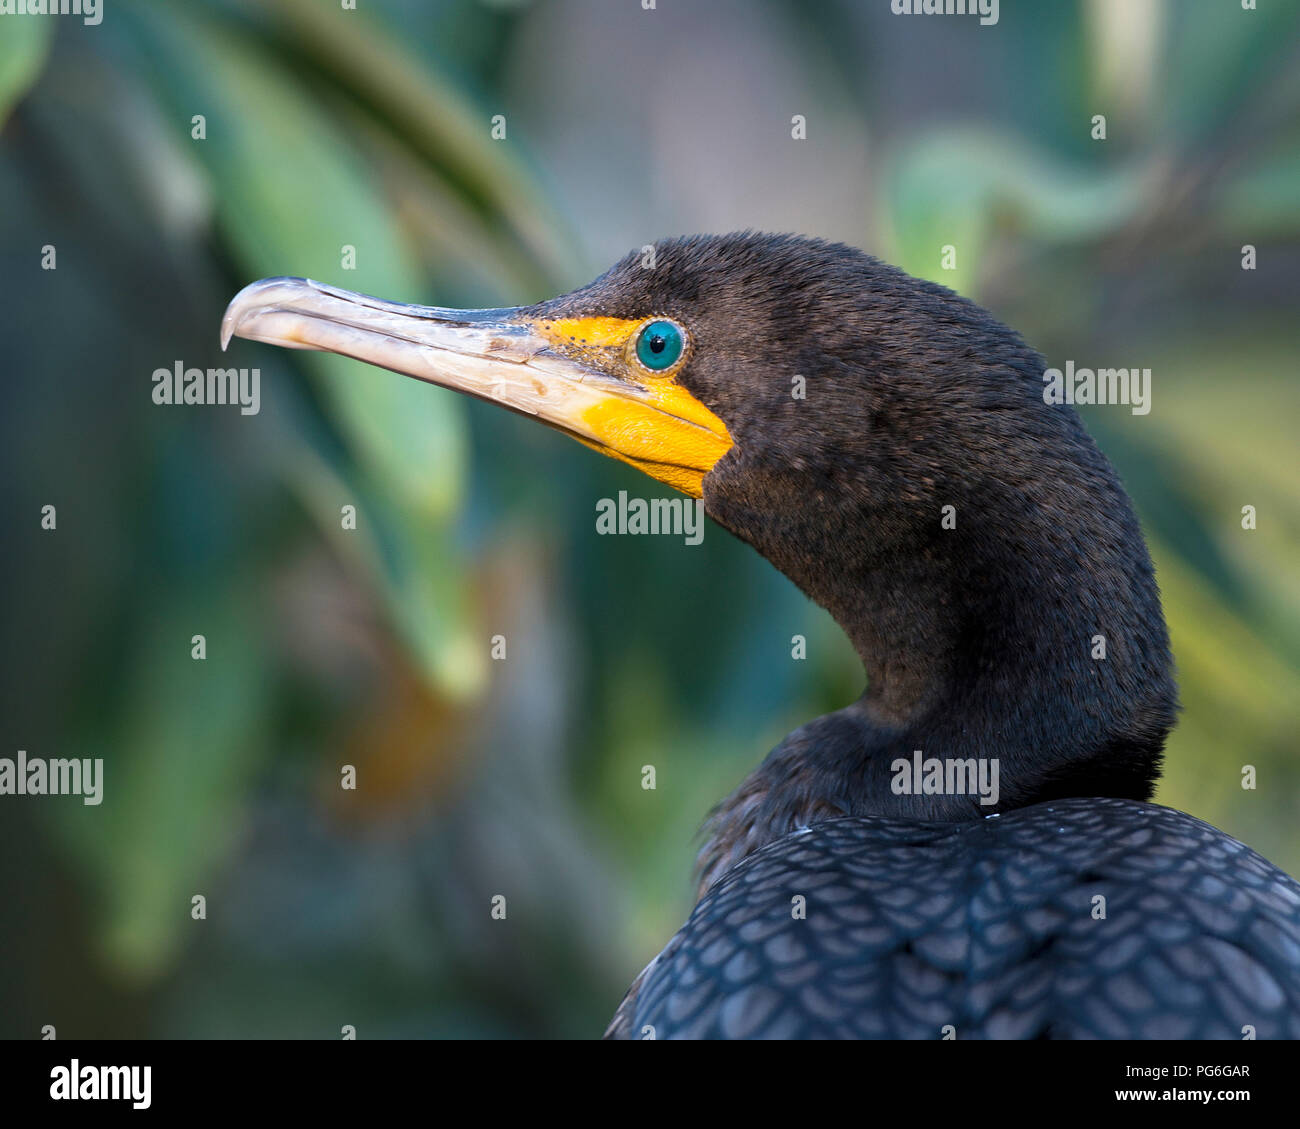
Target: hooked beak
x: 503, y: 356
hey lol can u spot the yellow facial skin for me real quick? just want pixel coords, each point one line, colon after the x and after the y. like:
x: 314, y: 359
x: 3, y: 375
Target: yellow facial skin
x: 668, y: 434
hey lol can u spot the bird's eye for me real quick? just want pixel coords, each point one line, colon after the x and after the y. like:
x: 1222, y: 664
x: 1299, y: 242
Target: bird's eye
x: 659, y: 345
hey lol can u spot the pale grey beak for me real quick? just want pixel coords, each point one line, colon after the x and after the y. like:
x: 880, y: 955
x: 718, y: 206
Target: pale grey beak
x: 479, y: 352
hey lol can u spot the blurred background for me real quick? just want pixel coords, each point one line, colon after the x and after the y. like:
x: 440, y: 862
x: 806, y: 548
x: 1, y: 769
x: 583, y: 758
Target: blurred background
x: 326, y: 128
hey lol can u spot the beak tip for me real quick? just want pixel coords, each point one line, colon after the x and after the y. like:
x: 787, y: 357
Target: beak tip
x: 257, y: 297
x: 230, y: 323
x: 232, y: 318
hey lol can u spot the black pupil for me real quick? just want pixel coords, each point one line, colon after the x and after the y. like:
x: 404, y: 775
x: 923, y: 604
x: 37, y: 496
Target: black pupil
x: 658, y: 342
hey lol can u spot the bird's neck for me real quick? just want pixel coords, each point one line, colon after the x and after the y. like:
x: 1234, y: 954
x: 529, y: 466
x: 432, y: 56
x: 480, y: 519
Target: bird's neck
x: 1028, y: 661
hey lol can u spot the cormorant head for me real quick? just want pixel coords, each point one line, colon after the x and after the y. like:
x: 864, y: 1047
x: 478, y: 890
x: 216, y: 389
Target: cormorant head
x: 883, y: 442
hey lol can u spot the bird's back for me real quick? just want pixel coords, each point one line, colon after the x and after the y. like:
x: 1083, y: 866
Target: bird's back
x: 1081, y: 918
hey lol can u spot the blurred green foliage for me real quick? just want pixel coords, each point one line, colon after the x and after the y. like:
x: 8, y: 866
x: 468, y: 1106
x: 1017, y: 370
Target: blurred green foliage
x: 326, y: 129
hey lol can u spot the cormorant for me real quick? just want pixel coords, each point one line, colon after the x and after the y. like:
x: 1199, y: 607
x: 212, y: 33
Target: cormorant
x: 887, y: 445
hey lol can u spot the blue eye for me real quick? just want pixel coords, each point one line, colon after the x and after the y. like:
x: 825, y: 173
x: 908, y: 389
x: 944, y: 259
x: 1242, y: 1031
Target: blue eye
x: 659, y: 345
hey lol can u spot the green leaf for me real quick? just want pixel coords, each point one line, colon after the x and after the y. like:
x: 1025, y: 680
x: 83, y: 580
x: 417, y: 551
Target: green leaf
x: 415, y: 568
x: 953, y: 187
x: 434, y: 120
x: 24, y: 47
x: 1220, y: 58
x: 291, y: 192
x: 176, y: 768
